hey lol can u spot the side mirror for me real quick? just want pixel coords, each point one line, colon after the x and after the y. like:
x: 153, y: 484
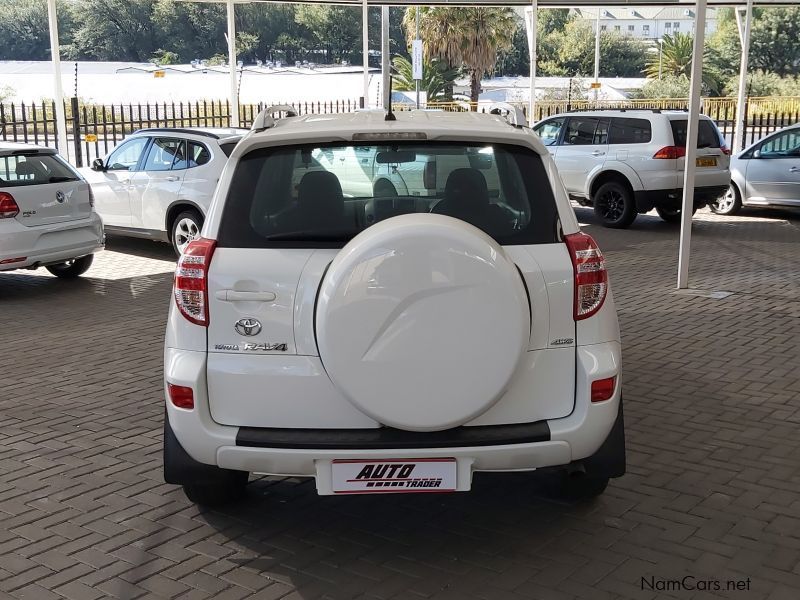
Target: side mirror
x: 97, y: 165
x: 757, y: 154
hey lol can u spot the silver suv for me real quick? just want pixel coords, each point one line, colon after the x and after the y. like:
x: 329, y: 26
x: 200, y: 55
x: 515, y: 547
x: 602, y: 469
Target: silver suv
x: 628, y: 162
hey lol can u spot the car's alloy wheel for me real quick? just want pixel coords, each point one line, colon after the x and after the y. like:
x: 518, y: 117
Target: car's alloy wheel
x: 613, y: 204
x: 729, y: 204
x: 185, y: 229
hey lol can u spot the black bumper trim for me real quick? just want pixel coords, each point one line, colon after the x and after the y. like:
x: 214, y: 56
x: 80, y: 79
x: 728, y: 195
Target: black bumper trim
x: 647, y: 200
x: 390, y: 438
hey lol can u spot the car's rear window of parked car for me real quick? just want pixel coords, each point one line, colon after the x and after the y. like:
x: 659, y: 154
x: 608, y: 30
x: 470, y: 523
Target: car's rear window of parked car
x: 323, y: 195
x: 707, y: 134
x: 34, y: 169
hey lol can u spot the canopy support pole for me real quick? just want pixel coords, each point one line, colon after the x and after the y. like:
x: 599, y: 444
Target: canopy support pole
x: 741, y: 125
x: 691, y: 144
x: 532, y: 26
x: 234, y: 97
x: 55, y: 57
x: 597, y: 57
x: 385, y: 63
x: 365, y: 48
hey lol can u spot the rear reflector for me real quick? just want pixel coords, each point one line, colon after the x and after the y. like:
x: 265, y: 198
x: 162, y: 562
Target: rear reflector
x: 591, y: 277
x: 8, y: 261
x: 8, y: 206
x: 183, y: 397
x: 671, y: 152
x: 603, y: 389
x: 191, y: 281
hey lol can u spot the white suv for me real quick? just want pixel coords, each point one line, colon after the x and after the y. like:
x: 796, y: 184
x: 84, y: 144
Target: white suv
x: 46, y: 214
x: 158, y: 183
x: 453, y: 334
x: 625, y: 162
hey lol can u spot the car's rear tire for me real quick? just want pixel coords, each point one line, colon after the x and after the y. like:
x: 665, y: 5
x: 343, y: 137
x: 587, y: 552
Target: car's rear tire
x: 72, y: 268
x: 614, y: 205
x: 729, y: 204
x: 229, y: 488
x: 670, y: 215
x: 185, y: 228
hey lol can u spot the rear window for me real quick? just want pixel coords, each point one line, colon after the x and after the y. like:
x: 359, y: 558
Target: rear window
x: 34, y: 169
x: 630, y: 131
x: 323, y: 195
x: 707, y: 135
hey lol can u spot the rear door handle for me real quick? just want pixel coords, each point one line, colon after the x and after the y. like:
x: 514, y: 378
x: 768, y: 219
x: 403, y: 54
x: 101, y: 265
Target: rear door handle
x: 172, y: 178
x: 598, y: 153
x: 794, y: 170
x: 237, y: 296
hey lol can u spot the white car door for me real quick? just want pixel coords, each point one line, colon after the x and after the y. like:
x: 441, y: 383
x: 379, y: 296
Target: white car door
x: 583, y: 149
x: 156, y: 186
x: 112, y: 185
x: 773, y: 173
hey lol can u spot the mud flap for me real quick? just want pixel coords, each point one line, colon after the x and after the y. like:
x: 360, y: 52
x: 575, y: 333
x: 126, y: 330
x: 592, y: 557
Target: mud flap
x: 609, y: 460
x: 182, y: 469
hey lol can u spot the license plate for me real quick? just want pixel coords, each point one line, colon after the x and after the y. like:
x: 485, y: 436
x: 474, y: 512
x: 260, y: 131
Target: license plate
x: 395, y: 475
x: 707, y: 162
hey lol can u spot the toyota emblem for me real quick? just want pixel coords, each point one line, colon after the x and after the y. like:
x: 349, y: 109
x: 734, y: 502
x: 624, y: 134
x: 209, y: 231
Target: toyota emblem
x: 247, y: 326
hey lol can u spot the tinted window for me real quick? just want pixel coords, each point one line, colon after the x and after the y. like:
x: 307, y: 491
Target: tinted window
x: 34, y: 169
x: 784, y: 145
x: 126, y: 156
x: 323, y: 195
x: 581, y: 132
x: 630, y: 131
x: 163, y: 154
x: 549, y: 131
x: 707, y: 134
x: 228, y: 147
x: 198, y: 154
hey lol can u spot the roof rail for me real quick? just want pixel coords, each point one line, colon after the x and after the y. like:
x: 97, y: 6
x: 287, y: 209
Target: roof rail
x: 266, y: 118
x: 602, y: 108
x: 513, y: 114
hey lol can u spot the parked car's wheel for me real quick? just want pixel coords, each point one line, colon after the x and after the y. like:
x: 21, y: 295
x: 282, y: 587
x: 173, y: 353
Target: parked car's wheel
x: 614, y: 205
x: 72, y: 268
x: 729, y: 204
x: 229, y: 488
x: 580, y: 486
x: 185, y: 228
x: 384, y: 189
x: 671, y: 215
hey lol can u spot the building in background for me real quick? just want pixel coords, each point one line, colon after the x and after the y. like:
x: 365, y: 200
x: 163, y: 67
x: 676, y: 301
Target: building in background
x: 647, y: 23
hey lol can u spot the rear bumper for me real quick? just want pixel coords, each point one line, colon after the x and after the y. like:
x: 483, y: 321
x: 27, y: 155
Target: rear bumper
x: 647, y: 200
x: 48, y: 244
x: 309, y: 453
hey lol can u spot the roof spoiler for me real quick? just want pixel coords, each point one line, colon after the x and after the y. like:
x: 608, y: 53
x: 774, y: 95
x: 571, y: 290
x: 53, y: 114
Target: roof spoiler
x: 266, y: 118
x: 513, y: 114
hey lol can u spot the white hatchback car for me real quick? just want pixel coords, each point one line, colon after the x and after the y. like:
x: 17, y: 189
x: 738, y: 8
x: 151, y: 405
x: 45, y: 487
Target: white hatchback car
x: 455, y: 333
x: 46, y: 213
x: 625, y: 162
x: 158, y: 183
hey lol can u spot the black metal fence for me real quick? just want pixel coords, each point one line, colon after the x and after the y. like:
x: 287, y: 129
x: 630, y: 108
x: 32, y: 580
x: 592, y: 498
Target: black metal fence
x: 93, y: 130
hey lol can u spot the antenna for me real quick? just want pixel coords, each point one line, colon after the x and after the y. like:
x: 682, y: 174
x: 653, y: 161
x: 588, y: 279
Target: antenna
x: 390, y: 115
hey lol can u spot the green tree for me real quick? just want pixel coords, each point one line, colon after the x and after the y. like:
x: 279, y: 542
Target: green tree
x: 164, y: 57
x: 436, y: 76
x: 25, y: 32
x: 116, y: 30
x: 471, y: 37
x: 193, y: 30
x: 669, y: 86
x: 336, y: 29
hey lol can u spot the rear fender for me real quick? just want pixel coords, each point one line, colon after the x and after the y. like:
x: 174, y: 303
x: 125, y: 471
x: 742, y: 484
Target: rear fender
x: 613, y: 168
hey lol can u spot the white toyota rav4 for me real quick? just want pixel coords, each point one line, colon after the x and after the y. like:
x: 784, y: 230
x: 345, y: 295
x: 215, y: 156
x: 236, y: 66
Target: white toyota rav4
x: 391, y: 343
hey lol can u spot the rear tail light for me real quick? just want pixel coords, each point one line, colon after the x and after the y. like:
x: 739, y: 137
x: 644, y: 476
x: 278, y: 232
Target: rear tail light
x: 671, y: 152
x: 10, y: 261
x: 591, y: 277
x: 725, y: 150
x: 603, y: 389
x: 91, y: 198
x: 8, y: 206
x: 191, y: 281
x: 429, y: 176
x: 183, y: 397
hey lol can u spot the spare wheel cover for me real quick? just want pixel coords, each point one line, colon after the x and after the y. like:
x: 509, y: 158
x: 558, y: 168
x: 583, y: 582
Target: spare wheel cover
x: 421, y: 321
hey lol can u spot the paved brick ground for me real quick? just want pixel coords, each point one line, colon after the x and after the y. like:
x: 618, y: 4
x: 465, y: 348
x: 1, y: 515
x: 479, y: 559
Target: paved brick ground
x: 712, y: 392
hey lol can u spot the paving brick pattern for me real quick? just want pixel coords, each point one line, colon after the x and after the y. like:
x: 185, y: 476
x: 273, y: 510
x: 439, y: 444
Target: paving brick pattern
x: 712, y: 393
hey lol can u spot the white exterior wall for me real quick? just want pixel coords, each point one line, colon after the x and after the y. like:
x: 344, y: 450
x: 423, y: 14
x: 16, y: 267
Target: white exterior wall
x: 658, y: 27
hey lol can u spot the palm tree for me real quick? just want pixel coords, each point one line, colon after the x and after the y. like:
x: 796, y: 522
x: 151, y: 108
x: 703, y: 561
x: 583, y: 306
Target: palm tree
x: 675, y: 60
x: 471, y: 37
x: 436, y: 76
